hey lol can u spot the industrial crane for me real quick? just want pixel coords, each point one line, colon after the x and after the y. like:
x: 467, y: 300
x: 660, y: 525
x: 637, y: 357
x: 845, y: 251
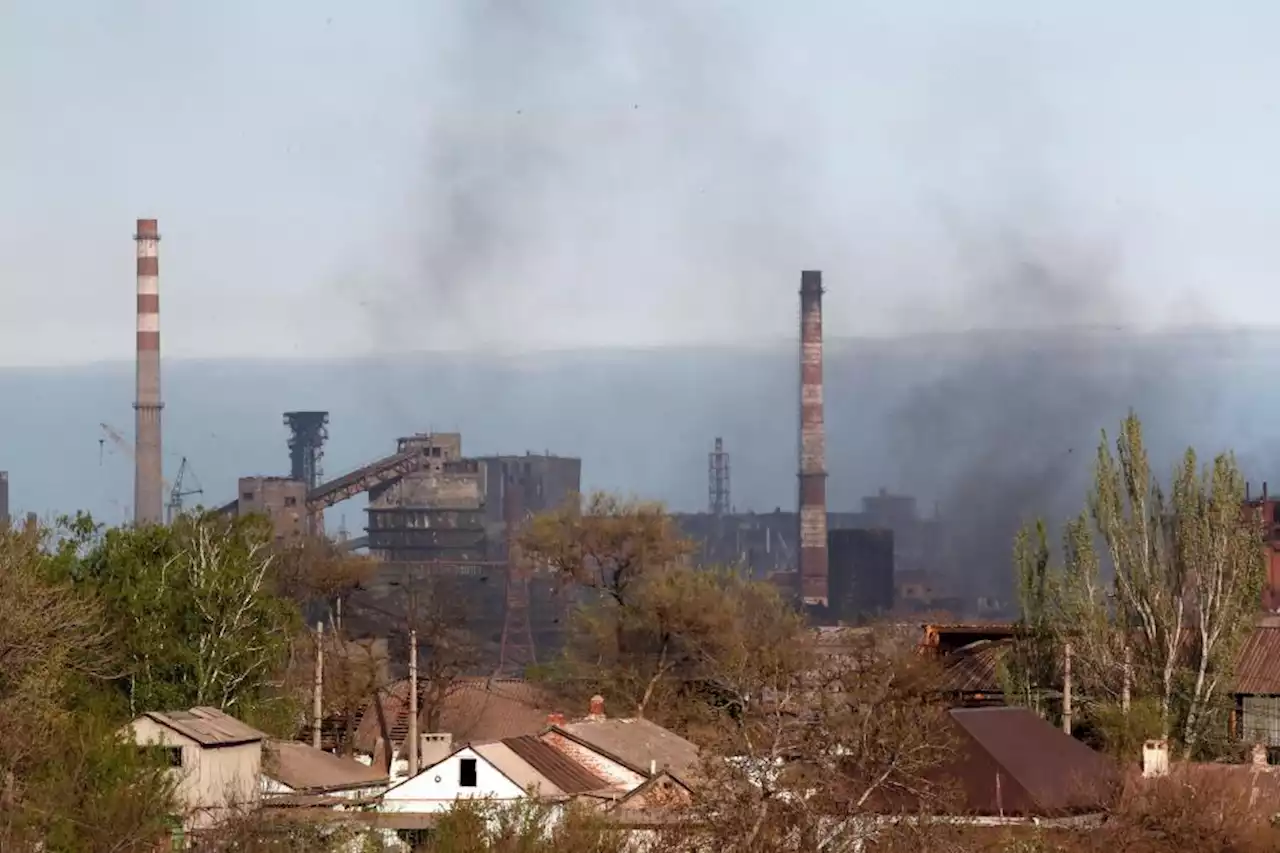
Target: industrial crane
x: 176, y: 491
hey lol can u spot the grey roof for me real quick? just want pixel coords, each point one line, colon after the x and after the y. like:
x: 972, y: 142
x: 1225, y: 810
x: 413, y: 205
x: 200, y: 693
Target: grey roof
x: 639, y: 744
x: 208, y: 727
x: 304, y: 768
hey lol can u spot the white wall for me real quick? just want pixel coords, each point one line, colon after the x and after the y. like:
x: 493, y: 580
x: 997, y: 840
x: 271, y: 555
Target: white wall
x: 210, y: 780
x: 423, y: 793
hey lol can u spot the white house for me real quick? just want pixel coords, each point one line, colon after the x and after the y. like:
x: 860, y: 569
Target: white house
x: 217, y: 758
x: 493, y: 771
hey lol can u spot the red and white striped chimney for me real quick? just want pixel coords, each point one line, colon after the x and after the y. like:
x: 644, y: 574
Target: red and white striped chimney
x: 813, y: 441
x: 148, y: 488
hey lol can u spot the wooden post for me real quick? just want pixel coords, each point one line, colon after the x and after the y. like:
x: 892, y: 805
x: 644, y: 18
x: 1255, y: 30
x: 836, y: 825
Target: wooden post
x: 317, y: 695
x: 413, y: 703
x: 1126, y: 688
x: 1066, y: 688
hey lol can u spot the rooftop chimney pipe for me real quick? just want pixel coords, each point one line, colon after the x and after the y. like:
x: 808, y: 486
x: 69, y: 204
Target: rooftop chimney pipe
x: 148, y: 498
x: 813, y: 440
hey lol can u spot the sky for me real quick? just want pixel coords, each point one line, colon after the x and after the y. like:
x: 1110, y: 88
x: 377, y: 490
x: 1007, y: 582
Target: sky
x: 334, y: 178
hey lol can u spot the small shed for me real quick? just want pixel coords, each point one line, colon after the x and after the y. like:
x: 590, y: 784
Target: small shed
x: 217, y: 758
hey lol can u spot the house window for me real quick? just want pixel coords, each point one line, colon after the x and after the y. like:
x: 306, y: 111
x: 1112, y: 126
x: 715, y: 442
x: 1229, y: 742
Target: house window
x: 290, y: 500
x: 168, y: 756
x: 466, y: 773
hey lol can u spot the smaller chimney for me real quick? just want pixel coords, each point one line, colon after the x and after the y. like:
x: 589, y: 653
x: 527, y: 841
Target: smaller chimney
x: 1258, y: 756
x: 1155, y: 759
x: 597, y: 709
x: 433, y: 748
x: 555, y: 719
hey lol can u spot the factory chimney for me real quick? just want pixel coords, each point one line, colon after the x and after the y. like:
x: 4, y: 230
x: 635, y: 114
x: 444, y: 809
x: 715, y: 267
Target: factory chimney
x: 148, y: 499
x: 813, y: 440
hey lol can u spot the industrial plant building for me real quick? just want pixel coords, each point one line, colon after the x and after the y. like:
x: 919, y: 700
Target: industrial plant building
x: 435, y: 514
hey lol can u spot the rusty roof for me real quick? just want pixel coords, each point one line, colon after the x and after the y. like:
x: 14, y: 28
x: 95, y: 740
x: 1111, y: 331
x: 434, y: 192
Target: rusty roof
x: 304, y: 768
x: 1258, y: 663
x: 561, y: 770
x: 208, y: 727
x: 474, y: 710
x: 1011, y: 762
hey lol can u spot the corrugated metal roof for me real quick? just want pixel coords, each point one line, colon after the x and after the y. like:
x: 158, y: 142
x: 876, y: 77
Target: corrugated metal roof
x: 567, y: 775
x: 515, y: 768
x: 1258, y: 664
x: 304, y: 768
x: 208, y: 727
x: 1012, y: 762
x: 974, y: 668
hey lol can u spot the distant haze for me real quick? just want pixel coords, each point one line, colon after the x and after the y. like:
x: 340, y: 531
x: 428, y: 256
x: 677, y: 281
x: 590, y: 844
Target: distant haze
x: 992, y: 428
x: 334, y: 179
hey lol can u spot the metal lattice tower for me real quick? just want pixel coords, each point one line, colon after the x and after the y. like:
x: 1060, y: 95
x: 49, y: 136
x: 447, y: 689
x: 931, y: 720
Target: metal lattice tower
x: 517, y: 650
x: 718, y: 501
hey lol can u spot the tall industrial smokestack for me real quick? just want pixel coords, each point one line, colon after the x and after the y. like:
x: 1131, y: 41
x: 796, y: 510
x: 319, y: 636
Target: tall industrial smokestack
x: 148, y: 497
x: 813, y: 441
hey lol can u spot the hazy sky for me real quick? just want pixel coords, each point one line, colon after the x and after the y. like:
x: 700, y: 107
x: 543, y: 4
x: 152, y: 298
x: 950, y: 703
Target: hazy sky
x: 336, y: 177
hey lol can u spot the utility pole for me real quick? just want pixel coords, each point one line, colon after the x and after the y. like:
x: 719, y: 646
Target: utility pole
x: 317, y: 698
x: 1066, y: 688
x: 413, y: 703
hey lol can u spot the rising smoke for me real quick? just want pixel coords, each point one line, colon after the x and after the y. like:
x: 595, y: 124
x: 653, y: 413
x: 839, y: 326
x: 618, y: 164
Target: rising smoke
x: 1005, y: 430
x: 581, y: 159
x: 584, y: 161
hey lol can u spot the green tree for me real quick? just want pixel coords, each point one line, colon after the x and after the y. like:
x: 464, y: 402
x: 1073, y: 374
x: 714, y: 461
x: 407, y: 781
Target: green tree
x: 1030, y: 667
x: 605, y: 543
x: 67, y: 780
x: 1188, y: 569
x: 198, y: 621
x: 527, y: 826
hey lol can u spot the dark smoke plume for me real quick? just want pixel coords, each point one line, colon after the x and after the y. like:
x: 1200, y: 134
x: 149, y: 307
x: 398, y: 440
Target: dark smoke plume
x: 587, y: 159
x: 1007, y: 430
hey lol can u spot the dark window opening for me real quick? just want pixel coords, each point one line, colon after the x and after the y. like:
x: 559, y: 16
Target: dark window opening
x: 466, y: 773
x: 290, y: 500
x: 246, y: 496
x: 168, y: 756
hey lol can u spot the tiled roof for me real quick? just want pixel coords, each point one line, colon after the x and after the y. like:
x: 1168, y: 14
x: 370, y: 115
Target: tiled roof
x: 208, y: 727
x: 565, y: 773
x: 304, y: 768
x: 475, y: 710
x: 974, y: 668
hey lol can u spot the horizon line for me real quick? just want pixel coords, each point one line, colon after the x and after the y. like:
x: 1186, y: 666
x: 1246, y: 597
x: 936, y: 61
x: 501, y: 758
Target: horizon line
x: 717, y: 344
